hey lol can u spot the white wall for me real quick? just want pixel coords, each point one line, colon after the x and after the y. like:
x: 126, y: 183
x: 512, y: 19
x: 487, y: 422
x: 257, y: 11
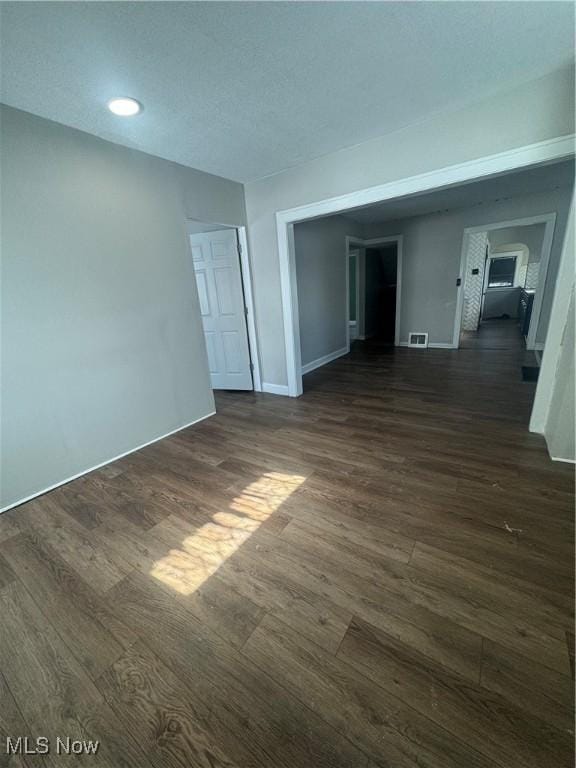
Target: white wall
x: 532, y: 236
x: 321, y: 262
x: 542, y: 109
x: 553, y: 412
x: 560, y: 427
x: 101, y: 333
x: 431, y: 258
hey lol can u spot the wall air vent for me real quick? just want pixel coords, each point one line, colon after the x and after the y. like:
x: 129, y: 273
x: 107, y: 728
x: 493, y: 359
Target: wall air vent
x: 418, y: 340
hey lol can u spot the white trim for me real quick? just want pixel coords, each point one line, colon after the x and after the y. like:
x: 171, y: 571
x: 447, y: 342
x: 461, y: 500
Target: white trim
x: 104, y: 463
x: 542, y: 277
x: 520, y: 157
x: 289, y: 290
x: 275, y: 389
x: 357, y: 298
x: 346, y: 305
x: 556, y: 330
x: 319, y: 362
x: 354, y: 244
x: 549, y: 220
x: 525, y: 221
x: 351, y: 323
x: 489, y: 165
x: 356, y: 255
x: 249, y: 299
x: 564, y: 461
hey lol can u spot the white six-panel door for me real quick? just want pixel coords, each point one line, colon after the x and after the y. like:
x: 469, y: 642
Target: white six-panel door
x: 219, y: 281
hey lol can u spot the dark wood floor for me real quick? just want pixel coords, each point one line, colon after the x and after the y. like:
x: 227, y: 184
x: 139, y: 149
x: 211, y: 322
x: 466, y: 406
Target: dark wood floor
x: 495, y: 335
x: 378, y: 574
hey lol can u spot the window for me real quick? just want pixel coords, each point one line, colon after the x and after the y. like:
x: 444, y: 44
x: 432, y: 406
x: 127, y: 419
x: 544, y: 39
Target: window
x: 501, y: 273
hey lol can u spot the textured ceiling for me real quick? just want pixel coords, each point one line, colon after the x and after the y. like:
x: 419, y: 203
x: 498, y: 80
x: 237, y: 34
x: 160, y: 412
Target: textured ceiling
x: 532, y: 181
x: 244, y: 89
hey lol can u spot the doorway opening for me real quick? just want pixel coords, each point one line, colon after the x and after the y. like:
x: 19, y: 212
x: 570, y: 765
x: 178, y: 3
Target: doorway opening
x: 504, y: 261
x: 380, y: 302
x: 504, y: 267
x: 223, y: 281
x: 374, y: 289
x: 437, y: 309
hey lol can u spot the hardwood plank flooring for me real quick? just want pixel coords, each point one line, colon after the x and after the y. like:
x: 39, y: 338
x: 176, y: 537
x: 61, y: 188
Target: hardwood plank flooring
x: 378, y: 574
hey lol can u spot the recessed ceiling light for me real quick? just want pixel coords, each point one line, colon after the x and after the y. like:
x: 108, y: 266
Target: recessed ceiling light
x: 124, y: 106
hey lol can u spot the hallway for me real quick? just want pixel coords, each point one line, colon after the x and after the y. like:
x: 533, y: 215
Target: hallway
x: 494, y: 334
x: 376, y: 574
x: 504, y: 336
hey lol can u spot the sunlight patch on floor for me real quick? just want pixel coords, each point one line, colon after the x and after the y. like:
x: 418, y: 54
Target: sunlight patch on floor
x: 203, y: 552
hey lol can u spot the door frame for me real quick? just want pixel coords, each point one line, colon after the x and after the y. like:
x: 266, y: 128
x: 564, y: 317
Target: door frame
x: 246, y: 275
x: 356, y: 254
x: 491, y: 165
x: 358, y: 242
x: 549, y: 221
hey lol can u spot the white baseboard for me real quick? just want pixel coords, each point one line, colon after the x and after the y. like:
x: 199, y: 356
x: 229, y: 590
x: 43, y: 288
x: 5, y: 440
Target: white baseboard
x: 431, y: 345
x: 275, y: 389
x: 104, y: 463
x: 320, y: 361
x: 552, y: 458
